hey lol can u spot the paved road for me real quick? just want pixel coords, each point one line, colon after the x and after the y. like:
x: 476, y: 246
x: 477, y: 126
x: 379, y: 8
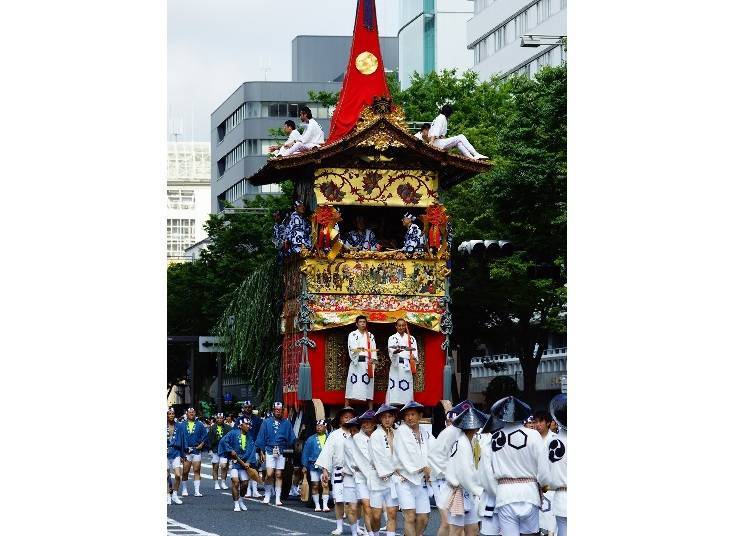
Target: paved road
x: 213, y: 515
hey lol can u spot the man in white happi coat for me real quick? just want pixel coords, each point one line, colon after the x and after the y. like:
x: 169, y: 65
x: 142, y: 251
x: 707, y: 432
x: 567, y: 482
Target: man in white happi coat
x: 331, y: 462
x: 520, y: 468
x: 383, y: 482
x: 557, y: 451
x: 462, y: 475
x: 293, y: 136
x: 402, y: 349
x: 438, y: 455
x: 361, y: 464
x: 439, y: 129
x: 411, y: 448
x: 351, y: 499
x: 360, y: 385
x: 311, y: 138
x: 542, y: 421
x: 490, y: 525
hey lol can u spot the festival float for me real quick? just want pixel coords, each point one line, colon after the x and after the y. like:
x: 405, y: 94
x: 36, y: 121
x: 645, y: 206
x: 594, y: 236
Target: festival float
x: 370, y: 166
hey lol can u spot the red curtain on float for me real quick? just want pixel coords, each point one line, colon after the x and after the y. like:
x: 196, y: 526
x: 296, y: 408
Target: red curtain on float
x: 292, y: 355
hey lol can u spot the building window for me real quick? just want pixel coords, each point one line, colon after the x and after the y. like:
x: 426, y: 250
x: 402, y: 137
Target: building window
x: 233, y: 120
x: 180, y: 236
x: 270, y: 189
x: 181, y: 199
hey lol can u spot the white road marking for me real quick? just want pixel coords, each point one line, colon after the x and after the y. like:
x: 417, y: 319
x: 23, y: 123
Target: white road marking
x: 289, y: 509
x: 285, y: 532
x: 175, y: 527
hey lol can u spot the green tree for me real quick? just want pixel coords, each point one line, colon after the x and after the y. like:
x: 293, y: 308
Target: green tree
x: 199, y: 292
x: 521, y: 299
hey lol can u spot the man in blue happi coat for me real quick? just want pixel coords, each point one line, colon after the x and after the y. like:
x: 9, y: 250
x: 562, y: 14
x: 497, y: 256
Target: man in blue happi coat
x: 255, y: 422
x: 195, y: 433
x: 275, y: 436
x: 175, y: 453
x: 238, y: 446
x: 310, y: 453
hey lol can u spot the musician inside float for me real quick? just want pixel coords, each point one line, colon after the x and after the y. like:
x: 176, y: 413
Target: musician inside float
x: 362, y: 237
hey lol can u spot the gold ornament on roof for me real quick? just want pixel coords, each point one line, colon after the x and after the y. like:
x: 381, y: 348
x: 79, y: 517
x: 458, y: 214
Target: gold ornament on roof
x: 366, y: 63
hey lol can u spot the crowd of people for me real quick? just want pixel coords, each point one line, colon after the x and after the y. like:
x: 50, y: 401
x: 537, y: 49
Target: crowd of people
x: 504, y: 472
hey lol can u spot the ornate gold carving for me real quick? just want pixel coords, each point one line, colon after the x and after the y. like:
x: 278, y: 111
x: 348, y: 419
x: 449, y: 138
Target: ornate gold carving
x: 366, y: 63
x: 336, y: 364
x: 392, y: 113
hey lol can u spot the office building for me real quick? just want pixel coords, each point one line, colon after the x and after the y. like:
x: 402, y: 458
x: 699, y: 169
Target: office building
x: 323, y: 58
x: 494, y: 35
x: 188, y: 196
x: 240, y: 133
x: 431, y: 37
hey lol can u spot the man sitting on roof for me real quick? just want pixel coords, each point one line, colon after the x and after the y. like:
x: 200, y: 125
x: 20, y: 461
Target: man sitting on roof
x: 439, y: 129
x: 313, y: 136
x: 424, y: 133
x: 290, y: 129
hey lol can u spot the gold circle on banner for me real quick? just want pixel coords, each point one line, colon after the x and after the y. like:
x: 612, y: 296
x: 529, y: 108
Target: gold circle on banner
x: 366, y: 63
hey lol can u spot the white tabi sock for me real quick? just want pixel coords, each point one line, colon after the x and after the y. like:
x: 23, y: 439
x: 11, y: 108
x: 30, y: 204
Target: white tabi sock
x: 353, y: 528
x: 197, y: 485
x: 236, y: 504
x: 325, y: 500
x: 390, y: 533
x: 340, y: 524
x: 241, y: 501
x: 316, y: 500
x: 278, y: 493
x: 254, y: 486
x: 174, y: 494
x: 184, y: 486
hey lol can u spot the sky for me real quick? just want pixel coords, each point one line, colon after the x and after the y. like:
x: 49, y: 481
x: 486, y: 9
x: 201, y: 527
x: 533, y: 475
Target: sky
x: 215, y: 45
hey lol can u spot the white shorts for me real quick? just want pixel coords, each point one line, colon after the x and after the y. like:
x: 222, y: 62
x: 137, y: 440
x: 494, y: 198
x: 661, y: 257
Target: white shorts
x: 337, y: 485
x: 275, y: 462
x: 488, y: 517
x: 413, y: 497
x: 350, y: 494
x: 442, y: 492
x: 382, y: 498
x: 241, y: 474
x: 314, y: 475
x: 175, y: 463
x: 562, y: 525
x: 363, y: 492
x: 215, y: 458
x: 518, y: 518
x: 194, y: 457
x: 470, y: 516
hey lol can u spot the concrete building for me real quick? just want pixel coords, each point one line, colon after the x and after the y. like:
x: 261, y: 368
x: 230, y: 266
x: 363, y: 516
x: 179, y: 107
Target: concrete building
x: 323, y: 58
x: 431, y: 37
x: 240, y: 133
x: 494, y: 35
x: 188, y: 196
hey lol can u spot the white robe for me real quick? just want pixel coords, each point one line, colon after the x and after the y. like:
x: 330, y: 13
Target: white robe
x: 460, y: 470
x: 360, y: 461
x: 547, y: 519
x: 359, y: 385
x: 400, y: 378
x: 487, y: 502
x: 411, y: 455
x: 332, y: 453
x: 559, y: 472
x: 383, y: 461
x: 440, y: 451
x: 519, y: 452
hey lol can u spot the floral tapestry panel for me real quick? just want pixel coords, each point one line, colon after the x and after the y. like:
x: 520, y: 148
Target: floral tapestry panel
x: 377, y: 187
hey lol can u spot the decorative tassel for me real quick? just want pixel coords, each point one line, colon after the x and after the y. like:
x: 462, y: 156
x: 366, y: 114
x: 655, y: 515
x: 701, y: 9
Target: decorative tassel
x: 304, y: 385
x: 447, y: 381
